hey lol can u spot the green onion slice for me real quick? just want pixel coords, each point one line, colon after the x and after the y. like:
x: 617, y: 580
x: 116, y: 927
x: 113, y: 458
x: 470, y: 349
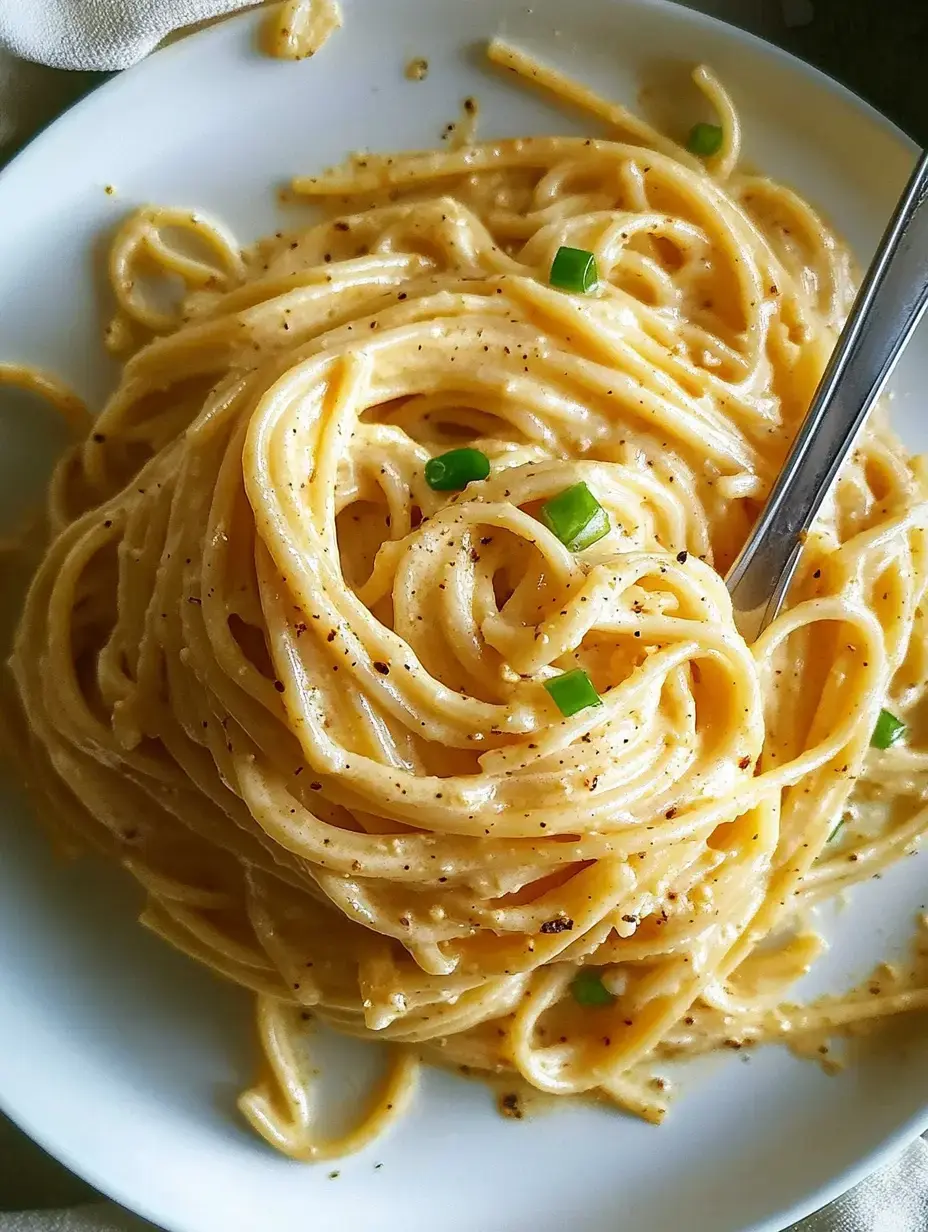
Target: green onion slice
x: 576, y: 517
x: 452, y: 471
x: 704, y: 139
x: 572, y: 692
x: 574, y: 269
x: 888, y: 731
x: 588, y: 988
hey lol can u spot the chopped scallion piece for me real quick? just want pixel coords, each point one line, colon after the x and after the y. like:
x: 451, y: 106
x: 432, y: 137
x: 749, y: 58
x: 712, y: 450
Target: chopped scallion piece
x: 576, y: 517
x: 838, y: 828
x: 574, y: 269
x: 704, y: 140
x: 452, y: 471
x: 888, y: 731
x: 588, y: 988
x: 572, y: 692
x: 597, y: 527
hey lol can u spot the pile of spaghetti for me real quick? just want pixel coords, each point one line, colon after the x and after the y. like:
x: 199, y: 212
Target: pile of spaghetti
x: 382, y: 634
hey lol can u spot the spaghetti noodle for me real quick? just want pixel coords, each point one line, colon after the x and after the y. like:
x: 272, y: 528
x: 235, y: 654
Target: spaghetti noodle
x: 309, y: 698
x: 298, y: 29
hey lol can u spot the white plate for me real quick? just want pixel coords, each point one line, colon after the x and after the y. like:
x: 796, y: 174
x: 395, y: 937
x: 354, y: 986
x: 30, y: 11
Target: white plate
x: 122, y: 1057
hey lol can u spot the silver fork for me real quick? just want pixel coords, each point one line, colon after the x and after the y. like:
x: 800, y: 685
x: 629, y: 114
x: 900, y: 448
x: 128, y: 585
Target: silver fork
x: 888, y: 306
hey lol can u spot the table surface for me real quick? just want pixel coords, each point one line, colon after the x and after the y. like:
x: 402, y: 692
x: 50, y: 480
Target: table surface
x: 877, y: 49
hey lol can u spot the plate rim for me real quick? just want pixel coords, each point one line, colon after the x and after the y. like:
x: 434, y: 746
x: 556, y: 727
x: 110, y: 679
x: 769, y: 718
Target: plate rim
x: 673, y: 11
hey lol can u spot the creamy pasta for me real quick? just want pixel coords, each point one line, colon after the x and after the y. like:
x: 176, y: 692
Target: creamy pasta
x: 439, y: 764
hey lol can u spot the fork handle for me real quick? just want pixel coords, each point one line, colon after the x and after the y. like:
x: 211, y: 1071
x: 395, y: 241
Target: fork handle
x: 888, y: 306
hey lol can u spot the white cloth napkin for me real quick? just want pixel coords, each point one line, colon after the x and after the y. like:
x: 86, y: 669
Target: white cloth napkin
x: 112, y: 34
x: 79, y: 34
x: 895, y: 1199
x: 98, y: 34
